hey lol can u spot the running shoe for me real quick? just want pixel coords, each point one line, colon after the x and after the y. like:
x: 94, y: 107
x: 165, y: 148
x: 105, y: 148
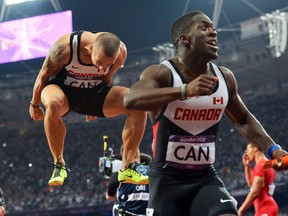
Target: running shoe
x: 59, y: 175
x: 131, y: 176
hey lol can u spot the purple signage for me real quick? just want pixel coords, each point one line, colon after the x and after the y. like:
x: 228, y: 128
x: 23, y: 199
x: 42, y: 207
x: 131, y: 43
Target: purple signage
x: 32, y: 37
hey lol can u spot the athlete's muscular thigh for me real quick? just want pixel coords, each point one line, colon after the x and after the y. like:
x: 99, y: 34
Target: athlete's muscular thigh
x: 52, y: 95
x: 113, y: 104
x: 218, y: 203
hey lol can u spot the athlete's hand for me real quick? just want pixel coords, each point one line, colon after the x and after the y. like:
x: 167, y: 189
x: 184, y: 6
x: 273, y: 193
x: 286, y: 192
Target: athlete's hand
x: 245, y: 159
x: 36, y: 113
x: 202, y: 85
x: 278, y: 154
x: 90, y: 118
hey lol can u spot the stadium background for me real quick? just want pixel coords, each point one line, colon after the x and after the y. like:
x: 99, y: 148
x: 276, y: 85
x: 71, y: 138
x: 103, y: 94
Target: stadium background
x: 25, y: 160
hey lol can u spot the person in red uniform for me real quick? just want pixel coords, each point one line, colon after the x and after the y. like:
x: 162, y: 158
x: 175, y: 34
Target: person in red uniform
x: 261, y: 182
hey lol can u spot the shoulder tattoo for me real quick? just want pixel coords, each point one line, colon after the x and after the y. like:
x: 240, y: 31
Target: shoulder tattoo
x: 56, y: 58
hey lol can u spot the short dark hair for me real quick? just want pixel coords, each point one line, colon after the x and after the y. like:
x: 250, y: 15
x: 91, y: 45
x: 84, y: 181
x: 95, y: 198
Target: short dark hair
x: 110, y: 43
x: 182, y: 25
x: 253, y: 145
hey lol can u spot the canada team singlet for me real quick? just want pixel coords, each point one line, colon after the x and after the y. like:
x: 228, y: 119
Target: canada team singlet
x: 184, y: 134
x: 76, y: 73
x: 82, y: 83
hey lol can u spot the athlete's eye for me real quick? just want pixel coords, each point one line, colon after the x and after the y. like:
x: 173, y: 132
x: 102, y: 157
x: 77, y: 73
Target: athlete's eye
x: 204, y: 28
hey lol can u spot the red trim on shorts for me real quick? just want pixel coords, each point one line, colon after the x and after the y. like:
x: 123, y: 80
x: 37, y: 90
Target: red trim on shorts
x: 155, y: 131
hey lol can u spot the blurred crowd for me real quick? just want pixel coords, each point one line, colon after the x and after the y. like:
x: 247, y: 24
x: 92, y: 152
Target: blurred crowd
x: 26, y: 162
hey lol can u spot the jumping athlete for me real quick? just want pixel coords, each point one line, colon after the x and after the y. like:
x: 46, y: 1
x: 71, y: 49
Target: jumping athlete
x: 186, y: 97
x: 261, y: 182
x: 77, y: 75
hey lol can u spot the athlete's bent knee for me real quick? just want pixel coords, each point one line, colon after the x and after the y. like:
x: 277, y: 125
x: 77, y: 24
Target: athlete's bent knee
x: 52, y: 110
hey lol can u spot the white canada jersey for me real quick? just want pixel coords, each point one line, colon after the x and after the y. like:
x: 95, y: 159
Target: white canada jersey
x: 197, y: 114
x: 79, y: 74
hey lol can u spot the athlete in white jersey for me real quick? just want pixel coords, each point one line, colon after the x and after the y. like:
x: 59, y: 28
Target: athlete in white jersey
x: 77, y: 75
x: 186, y: 98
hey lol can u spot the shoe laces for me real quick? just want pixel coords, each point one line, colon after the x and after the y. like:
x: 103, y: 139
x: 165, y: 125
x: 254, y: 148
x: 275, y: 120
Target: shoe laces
x: 60, y: 166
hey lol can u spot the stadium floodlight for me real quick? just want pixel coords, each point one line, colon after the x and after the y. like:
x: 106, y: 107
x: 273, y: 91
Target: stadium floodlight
x: 277, y: 23
x: 11, y: 2
x: 165, y: 50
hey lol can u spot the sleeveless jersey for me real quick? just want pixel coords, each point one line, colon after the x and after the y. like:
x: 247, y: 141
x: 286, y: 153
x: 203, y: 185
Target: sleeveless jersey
x: 134, y: 198
x: 76, y: 73
x: 184, y: 134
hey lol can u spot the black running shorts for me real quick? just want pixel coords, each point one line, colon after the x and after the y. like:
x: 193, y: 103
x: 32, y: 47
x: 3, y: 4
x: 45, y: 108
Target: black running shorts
x: 86, y: 101
x: 206, y: 196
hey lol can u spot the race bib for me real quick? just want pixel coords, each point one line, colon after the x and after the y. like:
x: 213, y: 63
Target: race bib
x: 190, y: 152
x: 70, y: 81
x: 271, y: 189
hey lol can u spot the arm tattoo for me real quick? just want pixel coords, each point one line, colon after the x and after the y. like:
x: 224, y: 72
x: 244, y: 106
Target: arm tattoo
x: 56, y: 58
x: 57, y: 52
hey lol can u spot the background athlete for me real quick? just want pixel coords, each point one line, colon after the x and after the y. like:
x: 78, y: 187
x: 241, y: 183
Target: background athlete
x: 261, y: 182
x: 76, y: 75
x: 130, y: 199
x: 186, y: 97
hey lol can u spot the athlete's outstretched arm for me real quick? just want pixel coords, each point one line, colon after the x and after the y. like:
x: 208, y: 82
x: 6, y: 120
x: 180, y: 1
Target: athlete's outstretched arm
x: 245, y: 121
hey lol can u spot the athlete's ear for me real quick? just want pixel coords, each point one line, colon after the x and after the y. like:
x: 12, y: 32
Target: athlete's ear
x: 184, y: 39
x: 255, y: 149
x: 91, y: 47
